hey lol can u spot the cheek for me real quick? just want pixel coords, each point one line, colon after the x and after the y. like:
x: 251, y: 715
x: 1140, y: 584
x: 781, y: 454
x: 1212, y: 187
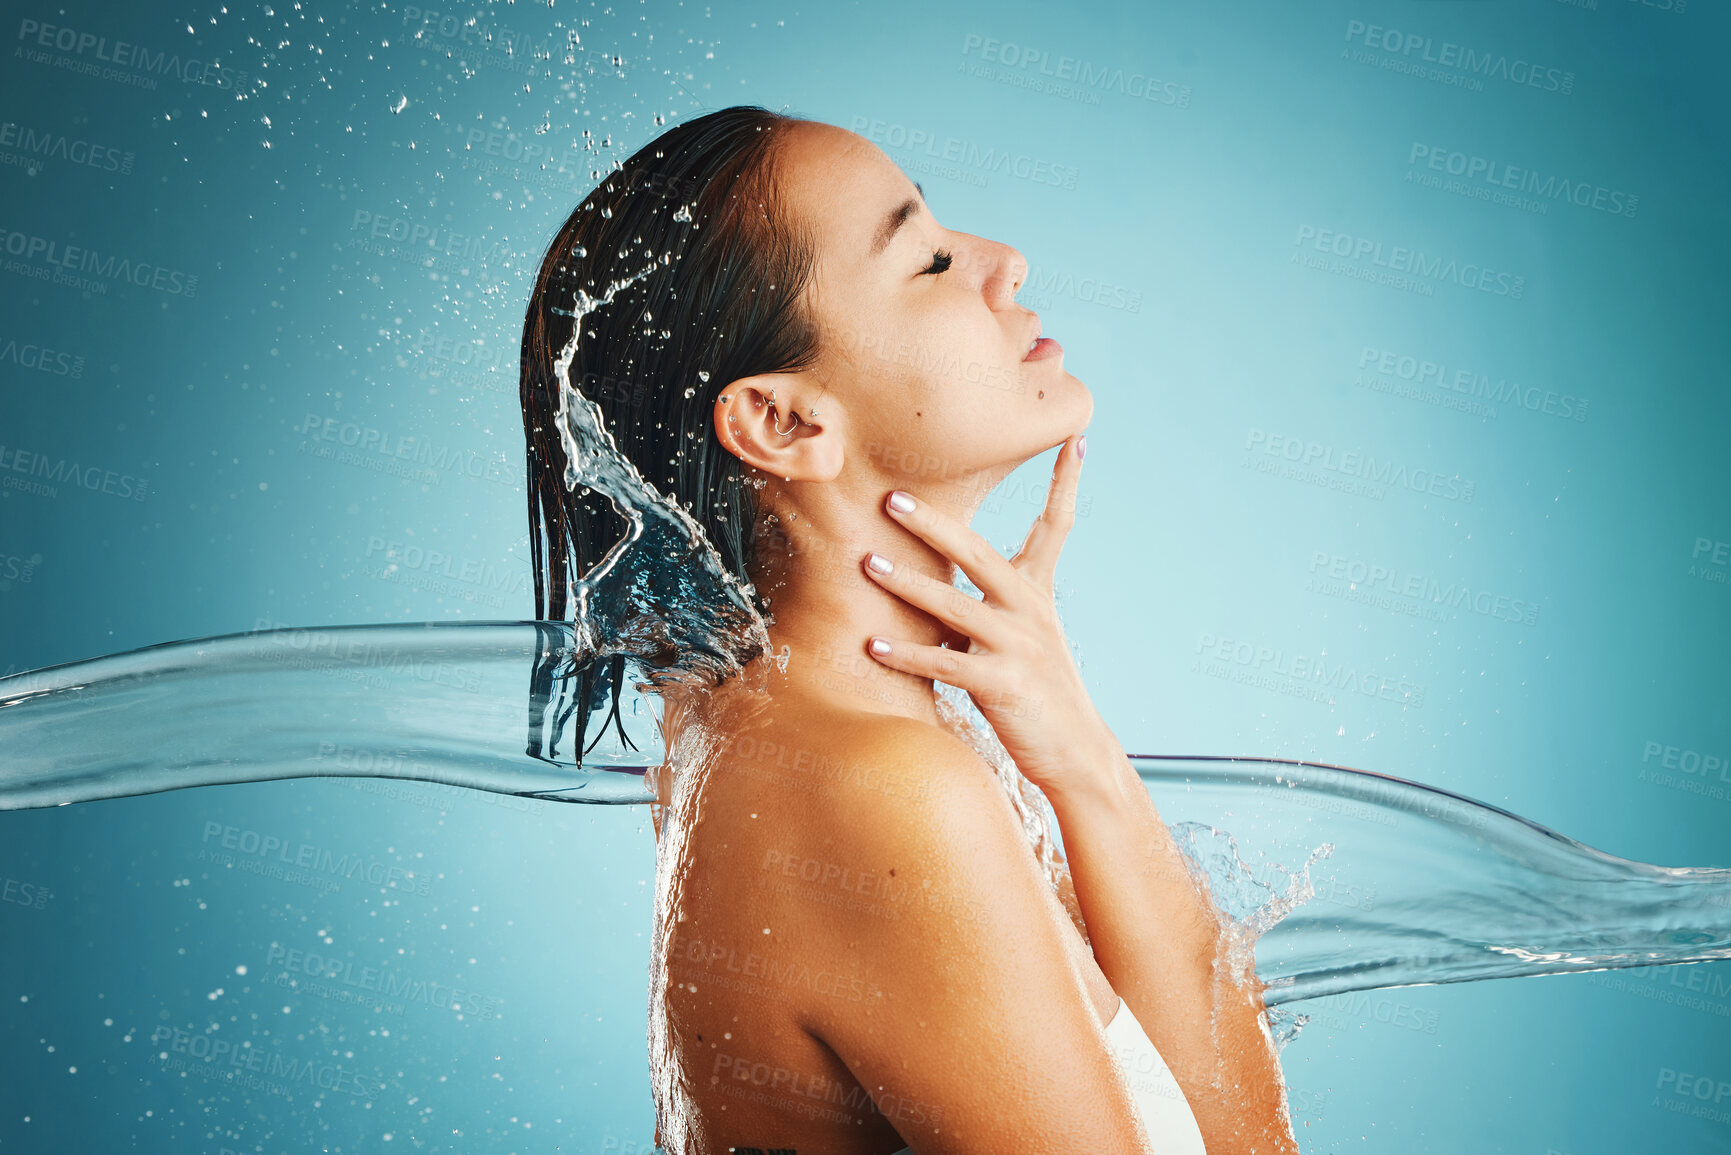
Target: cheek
x: 960, y: 353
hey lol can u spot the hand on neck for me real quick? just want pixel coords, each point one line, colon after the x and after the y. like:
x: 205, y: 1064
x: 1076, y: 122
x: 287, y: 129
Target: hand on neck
x: 826, y: 610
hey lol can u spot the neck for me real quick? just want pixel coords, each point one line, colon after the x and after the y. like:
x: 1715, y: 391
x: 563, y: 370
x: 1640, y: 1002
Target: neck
x: 827, y: 610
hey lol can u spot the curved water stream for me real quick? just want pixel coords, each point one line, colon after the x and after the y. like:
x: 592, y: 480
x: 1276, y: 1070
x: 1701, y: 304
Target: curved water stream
x: 1351, y: 880
x: 1346, y: 880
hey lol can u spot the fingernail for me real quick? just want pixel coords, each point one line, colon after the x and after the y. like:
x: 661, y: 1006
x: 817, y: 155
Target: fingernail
x: 879, y: 646
x: 901, y: 502
x: 1081, y: 448
x: 880, y: 564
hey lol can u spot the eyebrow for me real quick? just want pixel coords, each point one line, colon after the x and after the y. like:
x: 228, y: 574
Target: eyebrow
x: 897, y: 217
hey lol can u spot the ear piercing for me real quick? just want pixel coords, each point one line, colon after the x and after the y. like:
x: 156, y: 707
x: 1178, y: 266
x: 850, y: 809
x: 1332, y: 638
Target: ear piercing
x: 788, y: 432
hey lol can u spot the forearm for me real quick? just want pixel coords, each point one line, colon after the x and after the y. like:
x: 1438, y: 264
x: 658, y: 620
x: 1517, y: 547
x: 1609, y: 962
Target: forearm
x: 1159, y: 940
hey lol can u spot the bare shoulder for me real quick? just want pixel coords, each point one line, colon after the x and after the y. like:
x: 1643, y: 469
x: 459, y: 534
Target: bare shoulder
x: 869, y: 766
x: 980, y: 1035
x: 919, y: 809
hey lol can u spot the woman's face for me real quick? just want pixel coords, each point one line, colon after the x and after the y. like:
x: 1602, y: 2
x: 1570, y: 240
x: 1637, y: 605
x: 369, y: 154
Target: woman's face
x: 922, y: 344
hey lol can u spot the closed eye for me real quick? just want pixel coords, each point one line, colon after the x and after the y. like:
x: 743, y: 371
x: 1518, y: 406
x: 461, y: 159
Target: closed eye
x: 940, y: 263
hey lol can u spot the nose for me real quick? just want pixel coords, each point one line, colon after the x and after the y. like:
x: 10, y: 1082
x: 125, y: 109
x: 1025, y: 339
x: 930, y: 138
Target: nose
x: 1003, y: 270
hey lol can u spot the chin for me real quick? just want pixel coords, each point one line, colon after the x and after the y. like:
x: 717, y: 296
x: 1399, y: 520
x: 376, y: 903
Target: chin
x: 1075, y: 408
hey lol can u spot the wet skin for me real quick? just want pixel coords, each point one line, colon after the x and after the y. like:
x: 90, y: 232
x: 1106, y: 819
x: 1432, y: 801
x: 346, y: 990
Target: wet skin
x: 861, y: 951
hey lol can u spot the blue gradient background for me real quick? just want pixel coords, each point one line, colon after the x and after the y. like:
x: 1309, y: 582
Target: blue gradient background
x: 1196, y: 210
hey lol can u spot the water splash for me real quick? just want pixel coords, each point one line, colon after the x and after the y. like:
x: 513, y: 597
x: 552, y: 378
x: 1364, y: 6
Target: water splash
x: 1423, y: 886
x: 1417, y: 885
x: 675, y: 603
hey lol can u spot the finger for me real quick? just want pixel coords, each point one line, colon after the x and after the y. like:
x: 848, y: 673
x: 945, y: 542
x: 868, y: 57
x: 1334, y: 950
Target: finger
x: 1038, y: 557
x: 949, y: 666
x: 962, y: 612
x: 991, y: 574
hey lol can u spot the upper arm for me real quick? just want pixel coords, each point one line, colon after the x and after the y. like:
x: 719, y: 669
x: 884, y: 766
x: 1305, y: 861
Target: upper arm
x: 980, y: 1036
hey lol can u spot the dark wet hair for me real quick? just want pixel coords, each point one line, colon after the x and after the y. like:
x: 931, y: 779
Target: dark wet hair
x: 723, y: 302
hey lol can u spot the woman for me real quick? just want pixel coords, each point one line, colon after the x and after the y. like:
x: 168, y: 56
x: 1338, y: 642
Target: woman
x: 864, y: 941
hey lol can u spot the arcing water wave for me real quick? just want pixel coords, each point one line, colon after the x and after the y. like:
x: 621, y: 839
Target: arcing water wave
x: 1419, y: 885
x: 1399, y: 883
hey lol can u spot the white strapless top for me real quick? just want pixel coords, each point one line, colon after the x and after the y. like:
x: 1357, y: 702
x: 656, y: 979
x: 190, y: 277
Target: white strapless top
x: 1160, y: 1102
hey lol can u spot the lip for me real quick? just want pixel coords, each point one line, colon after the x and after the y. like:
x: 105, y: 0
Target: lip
x: 1044, y: 349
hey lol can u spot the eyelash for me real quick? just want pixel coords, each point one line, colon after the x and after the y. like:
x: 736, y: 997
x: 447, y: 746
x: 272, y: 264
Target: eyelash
x: 940, y: 262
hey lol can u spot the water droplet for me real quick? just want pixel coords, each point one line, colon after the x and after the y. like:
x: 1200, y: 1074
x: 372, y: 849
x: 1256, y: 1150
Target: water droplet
x: 703, y: 374
x: 691, y: 390
x: 402, y: 103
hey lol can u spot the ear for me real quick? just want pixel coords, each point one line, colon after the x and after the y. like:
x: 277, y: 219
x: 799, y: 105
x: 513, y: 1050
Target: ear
x: 771, y: 421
